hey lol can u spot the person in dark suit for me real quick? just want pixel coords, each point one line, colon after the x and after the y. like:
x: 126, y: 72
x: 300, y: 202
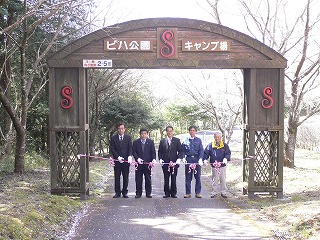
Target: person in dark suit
x: 144, y: 153
x: 121, y: 150
x: 170, y: 154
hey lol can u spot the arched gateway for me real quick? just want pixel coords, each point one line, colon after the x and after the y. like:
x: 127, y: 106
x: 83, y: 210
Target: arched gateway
x: 163, y: 43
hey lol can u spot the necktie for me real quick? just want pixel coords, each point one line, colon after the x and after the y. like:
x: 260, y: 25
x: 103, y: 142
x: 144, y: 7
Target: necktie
x: 143, y: 143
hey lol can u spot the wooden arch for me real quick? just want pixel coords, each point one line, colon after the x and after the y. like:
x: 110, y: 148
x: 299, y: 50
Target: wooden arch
x: 164, y: 43
x: 245, y: 52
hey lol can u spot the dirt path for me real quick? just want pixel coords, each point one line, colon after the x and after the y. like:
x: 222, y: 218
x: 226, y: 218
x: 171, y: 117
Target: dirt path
x: 160, y: 218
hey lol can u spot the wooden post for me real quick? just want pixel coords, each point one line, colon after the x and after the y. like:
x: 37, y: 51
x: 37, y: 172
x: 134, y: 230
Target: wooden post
x: 263, y: 128
x: 68, y: 126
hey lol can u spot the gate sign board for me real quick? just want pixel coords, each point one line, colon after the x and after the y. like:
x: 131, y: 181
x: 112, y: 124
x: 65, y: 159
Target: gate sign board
x: 209, y: 45
x: 168, y: 43
x: 124, y: 45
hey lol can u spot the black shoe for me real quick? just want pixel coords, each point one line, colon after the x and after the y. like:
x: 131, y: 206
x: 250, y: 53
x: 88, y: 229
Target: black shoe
x: 174, y: 196
x: 125, y: 196
x: 149, y: 196
x: 166, y: 196
x: 137, y: 196
x: 116, y: 196
x: 224, y: 195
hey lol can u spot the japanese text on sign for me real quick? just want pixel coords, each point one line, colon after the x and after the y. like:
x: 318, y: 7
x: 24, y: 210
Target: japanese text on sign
x: 127, y: 45
x: 97, y: 63
x: 205, y: 45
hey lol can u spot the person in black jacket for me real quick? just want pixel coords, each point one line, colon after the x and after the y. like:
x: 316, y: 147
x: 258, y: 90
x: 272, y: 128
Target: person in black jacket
x: 121, y: 150
x: 170, y: 154
x: 144, y: 153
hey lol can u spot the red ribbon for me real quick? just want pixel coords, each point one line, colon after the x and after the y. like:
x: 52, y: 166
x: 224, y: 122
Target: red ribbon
x: 151, y: 166
x: 136, y: 164
x: 217, y: 166
x: 97, y: 157
x: 171, y: 165
x: 111, y: 161
x: 193, y: 166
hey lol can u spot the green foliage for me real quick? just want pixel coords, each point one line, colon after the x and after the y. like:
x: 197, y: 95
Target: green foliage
x: 3, y: 11
x: 29, y: 224
x: 34, y: 220
x: 37, y: 122
x: 6, y: 164
x: 28, y: 210
x: 183, y: 116
x: 57, y: 207
x: 33, y: 160
x: 48, y: 25
x: 296, y: 198
x: 134, y: 112
x: 304, y: 229
x: 157, y: 121
x: 13, y: 228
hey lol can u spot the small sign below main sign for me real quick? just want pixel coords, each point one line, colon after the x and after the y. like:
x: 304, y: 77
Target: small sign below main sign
x: 97, y: 63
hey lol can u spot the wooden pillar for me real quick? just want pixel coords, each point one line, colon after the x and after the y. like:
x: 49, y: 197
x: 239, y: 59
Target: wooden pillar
x: 281, y: 132
x: 263, y: 131
x: 68, y: 130
x: 84, y: 132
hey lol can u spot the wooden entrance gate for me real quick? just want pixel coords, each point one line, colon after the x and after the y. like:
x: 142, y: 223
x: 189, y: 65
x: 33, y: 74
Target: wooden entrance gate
x: 167, y: 43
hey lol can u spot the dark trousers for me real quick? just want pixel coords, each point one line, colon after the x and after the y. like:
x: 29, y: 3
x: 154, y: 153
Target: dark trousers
x: 170, y: 175
x: 143, y: 170
x: 121, y: 169
x: 197, y: 175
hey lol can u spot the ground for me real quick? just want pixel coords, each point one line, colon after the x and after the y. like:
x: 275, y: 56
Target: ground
x: 298, y: 213
x: 29, y: 211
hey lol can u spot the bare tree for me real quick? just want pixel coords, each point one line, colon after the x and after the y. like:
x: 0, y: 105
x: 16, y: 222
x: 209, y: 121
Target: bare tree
x: 222, y: 105
x: 298, y: 42
x: 30, y: 18
x: 104, y: 85
x: 215, y: 11
x: 295, y: 37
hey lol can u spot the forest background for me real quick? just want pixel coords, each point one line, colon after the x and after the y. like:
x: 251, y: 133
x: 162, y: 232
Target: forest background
x: 211, y: 100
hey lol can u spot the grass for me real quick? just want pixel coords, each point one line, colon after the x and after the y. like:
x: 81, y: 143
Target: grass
x: 298, y: 213
x: 29, y: 211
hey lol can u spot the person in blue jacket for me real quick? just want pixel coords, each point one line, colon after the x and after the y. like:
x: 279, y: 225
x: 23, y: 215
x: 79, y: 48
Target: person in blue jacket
x: 193, y: 153
x: 219, y: 154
